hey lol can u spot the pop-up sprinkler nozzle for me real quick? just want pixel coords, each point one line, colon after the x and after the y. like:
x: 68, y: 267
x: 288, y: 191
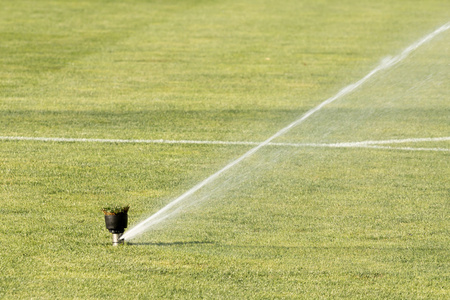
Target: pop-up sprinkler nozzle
x: 116, y: 220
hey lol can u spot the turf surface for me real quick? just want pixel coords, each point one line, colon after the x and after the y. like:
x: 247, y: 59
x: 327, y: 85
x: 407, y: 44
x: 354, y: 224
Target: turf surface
x: 287, y: 223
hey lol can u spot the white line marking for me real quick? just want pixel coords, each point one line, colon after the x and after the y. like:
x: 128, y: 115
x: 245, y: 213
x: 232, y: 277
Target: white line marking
x: 159, y: 215
x: 362, y: 144
x: 120, y: 141
x: 400, y: 141
x: 404, y: 148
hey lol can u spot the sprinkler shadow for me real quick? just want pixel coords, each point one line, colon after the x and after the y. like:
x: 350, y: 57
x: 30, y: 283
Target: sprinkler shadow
x: 169, y: 243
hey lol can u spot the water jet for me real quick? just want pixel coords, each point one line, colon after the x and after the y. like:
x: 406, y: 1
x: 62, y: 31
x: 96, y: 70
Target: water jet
x: 174, y: 206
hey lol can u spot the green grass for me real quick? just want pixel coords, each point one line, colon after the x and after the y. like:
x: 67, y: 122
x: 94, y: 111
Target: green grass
x: 289, y: 223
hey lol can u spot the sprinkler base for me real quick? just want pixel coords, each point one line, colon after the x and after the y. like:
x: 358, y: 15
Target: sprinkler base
x: 116, y: 241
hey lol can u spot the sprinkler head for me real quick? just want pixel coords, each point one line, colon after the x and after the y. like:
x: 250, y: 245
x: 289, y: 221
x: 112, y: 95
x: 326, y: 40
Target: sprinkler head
x: 116, y: 224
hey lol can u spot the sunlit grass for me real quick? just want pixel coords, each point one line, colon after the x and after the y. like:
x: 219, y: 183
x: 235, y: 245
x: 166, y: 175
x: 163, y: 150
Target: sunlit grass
x: 286, y: 223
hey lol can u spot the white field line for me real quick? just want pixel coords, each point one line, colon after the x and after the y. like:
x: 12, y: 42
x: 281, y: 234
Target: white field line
x: 120, y: 141
x: 362, y: 144
x: 399, y: 141
x: 404, y: 148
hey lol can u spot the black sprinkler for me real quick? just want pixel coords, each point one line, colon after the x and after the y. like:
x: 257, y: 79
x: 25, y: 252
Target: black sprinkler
x: 116, y: 220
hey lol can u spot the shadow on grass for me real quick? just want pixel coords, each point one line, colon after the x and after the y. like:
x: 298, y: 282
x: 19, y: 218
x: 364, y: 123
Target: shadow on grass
x: 169, y: 244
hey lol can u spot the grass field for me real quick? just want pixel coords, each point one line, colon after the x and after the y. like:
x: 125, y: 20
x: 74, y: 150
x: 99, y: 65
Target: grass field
x: 290, y: 222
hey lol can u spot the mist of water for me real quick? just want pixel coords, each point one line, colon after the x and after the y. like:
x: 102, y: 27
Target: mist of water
x: 176, y: 206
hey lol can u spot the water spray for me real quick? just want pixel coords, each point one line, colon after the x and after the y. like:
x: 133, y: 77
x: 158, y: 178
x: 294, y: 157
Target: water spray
x: 387, y: 63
